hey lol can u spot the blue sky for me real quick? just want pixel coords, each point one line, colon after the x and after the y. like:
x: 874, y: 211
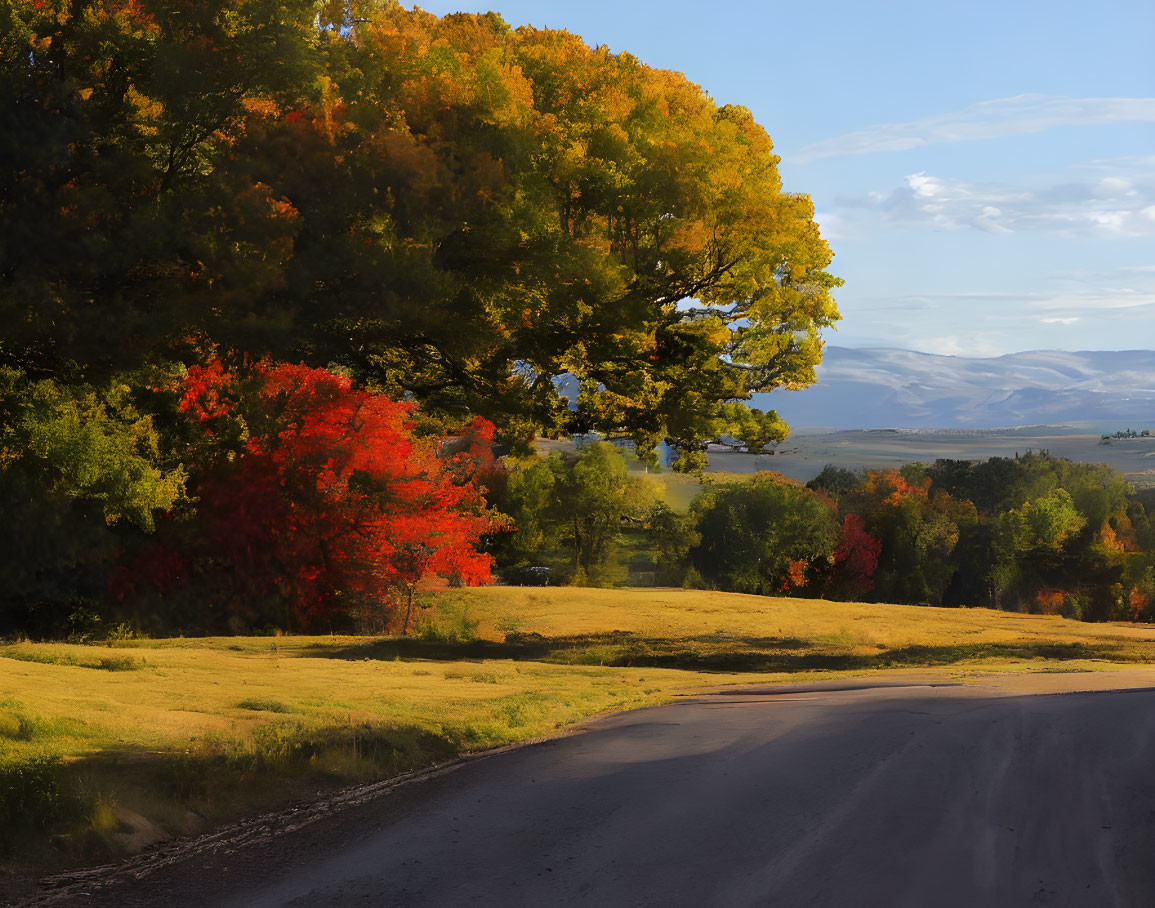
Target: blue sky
x: 985, y: 172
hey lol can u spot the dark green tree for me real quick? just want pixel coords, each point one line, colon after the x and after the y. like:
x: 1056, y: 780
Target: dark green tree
x: 672, y: 537
x: 762, y: 536
x: 78, y: 470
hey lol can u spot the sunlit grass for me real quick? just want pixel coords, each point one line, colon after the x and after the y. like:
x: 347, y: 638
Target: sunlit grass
x: 201, y: 731
x: 679, y: 489
x: 189, y: 690
x: 862, y: 627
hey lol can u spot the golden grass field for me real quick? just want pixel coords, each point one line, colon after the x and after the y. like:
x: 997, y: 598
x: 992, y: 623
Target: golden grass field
x: 113, y: 747
x: 861, y: 626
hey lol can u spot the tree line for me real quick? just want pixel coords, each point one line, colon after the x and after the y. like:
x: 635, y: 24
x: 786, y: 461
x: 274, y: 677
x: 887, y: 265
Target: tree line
x: 1033, y: 533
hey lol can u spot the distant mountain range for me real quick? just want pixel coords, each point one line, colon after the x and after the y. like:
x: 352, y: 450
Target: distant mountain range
x: 885, y: 388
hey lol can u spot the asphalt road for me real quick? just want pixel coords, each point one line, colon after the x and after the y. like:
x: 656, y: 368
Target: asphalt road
x: 881, y: 796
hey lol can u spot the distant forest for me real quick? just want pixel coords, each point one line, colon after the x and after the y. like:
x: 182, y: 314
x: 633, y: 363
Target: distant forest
x: 1032, y: 534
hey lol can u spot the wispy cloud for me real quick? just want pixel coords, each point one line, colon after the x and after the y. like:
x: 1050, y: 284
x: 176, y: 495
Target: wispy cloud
x: 1019, y: 115
x: 1105, y: 199
x: 1079, y: 309
x: 973, y: 344
x: 1064, y: 305
x: 1099, y: 276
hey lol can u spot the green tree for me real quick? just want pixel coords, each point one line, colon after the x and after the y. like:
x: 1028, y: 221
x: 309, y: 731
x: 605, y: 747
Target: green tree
x: 672, y: 536
x: 1045, y: 523
x: 835, y: 481
x: 573, y: 504
x: 762, y: 536
x: 78, y: 469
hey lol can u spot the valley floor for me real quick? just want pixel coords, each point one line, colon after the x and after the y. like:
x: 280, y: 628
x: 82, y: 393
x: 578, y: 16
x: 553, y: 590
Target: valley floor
x: 803, y: 455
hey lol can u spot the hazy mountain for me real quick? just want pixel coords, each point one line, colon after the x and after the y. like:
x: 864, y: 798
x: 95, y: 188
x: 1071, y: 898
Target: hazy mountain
x: 882, y: 388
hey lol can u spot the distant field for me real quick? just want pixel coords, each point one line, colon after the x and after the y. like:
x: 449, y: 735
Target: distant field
x: 803, y: 455
x: 680, y: 489
x: 114, y: 747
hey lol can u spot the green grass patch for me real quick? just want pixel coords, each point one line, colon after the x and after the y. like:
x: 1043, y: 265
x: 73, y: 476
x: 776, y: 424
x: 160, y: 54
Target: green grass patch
x: 36, y: 795
x: 46, y: 655
x: 263, y: 704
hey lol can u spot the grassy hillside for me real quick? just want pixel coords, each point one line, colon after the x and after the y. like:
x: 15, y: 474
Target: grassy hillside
x: 782, y: 634
x: 111, y: 748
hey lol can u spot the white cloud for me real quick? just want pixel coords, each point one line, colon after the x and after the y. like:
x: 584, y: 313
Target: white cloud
x: 1070, y: 320
x: 1028, y: 113
x: 1115, y: 187
x: 976, y: 344
x: 1119, y: 204
x: 832, y: 226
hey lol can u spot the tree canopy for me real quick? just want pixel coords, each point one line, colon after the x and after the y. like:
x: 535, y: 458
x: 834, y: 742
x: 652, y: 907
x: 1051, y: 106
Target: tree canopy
x: 449, y: 209
x: 272, y: 272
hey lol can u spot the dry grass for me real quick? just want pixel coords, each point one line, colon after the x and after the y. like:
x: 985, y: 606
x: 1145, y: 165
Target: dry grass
x: 222, y: 688
x: 679, y: 489
x: 675, y: 613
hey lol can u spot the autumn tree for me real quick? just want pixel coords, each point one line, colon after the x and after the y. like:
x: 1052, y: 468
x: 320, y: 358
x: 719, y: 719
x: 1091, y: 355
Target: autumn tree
x: 129, y: 212
x: 447, y: 208
x: 918, y: 527
x: 855, y: 560
x: 328, y: 503
x: 446, y: 211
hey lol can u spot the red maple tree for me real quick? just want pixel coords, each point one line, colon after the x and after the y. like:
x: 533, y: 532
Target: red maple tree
x: 856, y: 558
x: 332, y: 504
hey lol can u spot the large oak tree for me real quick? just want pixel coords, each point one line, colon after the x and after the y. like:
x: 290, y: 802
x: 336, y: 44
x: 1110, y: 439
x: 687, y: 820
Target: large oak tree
x: 446, y: 207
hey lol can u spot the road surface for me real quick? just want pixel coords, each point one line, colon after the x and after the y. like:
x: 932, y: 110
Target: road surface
x: 913, y: 795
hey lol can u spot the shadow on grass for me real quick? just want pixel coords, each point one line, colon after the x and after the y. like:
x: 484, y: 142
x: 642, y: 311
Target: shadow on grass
x: 719, y: 652
x: 60, y: 813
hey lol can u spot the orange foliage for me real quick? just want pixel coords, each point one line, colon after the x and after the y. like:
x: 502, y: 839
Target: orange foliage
x: 1049, y: 601
x: 795, y: 573
x: 890, y: 488
x: 1139, y: 602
